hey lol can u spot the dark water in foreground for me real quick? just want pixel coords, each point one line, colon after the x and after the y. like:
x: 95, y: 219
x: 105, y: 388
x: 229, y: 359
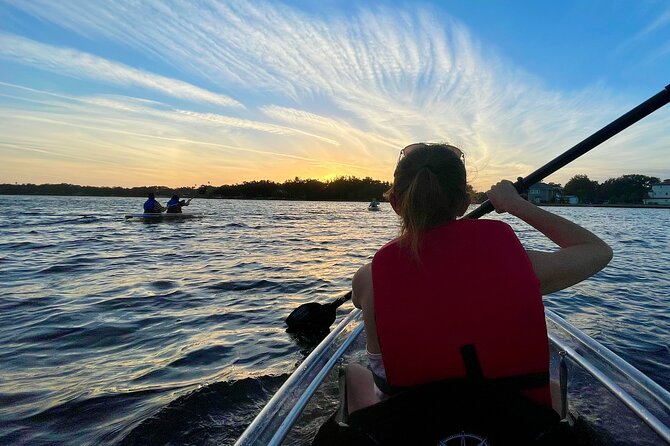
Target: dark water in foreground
x: 116, y: 331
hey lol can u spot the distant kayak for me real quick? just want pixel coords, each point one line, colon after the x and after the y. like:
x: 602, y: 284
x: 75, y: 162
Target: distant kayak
x: 374, y: 208
x: 164, y: 216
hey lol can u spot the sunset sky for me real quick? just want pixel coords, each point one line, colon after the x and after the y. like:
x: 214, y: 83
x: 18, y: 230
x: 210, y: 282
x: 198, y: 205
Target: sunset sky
x: 180, y: 93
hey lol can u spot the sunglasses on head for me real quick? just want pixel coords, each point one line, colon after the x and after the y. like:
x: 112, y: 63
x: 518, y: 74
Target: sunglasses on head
x: 410, y: 148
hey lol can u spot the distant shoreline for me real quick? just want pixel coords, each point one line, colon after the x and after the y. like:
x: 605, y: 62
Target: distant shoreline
x: 339, y: 189
x: 651, y: 206
x: 195, y: 197
x: 636, y: 206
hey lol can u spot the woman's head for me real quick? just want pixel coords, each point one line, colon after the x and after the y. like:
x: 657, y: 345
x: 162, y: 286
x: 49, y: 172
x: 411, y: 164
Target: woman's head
x: 429, y: 188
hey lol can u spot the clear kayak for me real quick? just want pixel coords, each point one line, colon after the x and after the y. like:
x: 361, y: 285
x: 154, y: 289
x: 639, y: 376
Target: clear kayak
x: 603, y: 399
x: 163, y: 216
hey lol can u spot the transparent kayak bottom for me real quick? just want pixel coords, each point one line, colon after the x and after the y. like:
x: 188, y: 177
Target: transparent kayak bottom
x: 608, y: 401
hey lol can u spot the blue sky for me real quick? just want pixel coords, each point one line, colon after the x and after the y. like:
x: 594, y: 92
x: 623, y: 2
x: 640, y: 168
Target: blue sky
x: 182, y: 93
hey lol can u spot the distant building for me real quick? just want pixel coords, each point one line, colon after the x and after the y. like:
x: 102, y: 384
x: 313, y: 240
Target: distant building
x: 571, y: 199
x: 660, y: 193
x: 544, y: 193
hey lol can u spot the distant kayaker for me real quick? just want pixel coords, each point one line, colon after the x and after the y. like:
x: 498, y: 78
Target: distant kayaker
x: 152, y: 206
x: 461, y: 299
x: 175, y: 204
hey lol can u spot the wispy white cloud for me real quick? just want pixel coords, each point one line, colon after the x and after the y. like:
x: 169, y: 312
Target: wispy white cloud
x: 248, y: 124
x: 79, y: 65
x: 159, y: 110
x: 130, y: 133
x: 661, y: 22
x: 109, y: 129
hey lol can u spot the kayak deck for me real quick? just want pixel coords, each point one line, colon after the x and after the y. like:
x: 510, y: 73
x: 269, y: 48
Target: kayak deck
x: 608, y: 400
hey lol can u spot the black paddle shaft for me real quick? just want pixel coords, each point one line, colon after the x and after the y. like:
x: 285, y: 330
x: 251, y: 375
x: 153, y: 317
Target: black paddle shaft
x: 646, y: 108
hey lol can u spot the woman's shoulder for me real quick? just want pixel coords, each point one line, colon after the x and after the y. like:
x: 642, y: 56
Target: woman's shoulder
x: 469, y: 225
x: 483, y: 225
x: 483, y: 222
x: 390, y: 245
x: 363, y: 270
x: 471, y: 232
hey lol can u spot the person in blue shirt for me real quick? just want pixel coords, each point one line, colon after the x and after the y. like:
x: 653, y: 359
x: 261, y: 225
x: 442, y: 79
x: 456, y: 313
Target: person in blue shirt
x: 174, y: 205
x: 151, y: 206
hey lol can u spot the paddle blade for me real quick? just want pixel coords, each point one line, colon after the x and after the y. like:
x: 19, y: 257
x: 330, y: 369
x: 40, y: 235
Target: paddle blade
x: 311, y: 317
x: 315, y: 316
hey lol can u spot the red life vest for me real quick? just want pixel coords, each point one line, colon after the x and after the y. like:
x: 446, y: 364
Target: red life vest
x: 473, y: 297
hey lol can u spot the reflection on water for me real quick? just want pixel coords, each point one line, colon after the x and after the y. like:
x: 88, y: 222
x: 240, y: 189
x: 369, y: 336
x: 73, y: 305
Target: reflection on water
x: 111, y: 328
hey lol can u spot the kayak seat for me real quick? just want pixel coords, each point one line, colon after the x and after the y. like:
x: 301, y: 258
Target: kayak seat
x: 455, y: 411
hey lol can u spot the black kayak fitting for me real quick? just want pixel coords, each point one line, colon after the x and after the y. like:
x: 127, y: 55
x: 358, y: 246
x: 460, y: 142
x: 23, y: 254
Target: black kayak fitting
x: 452, y: 412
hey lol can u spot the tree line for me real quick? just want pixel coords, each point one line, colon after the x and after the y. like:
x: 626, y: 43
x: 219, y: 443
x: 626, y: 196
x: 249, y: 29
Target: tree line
x: 627, y: 189
x: 342, y: 189
x: 66, y: 189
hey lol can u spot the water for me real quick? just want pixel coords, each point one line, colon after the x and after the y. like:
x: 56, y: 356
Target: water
x: 122, y: 332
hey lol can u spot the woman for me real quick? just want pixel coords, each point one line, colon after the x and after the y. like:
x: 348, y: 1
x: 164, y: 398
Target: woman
x: 152, y: 206
x: 452, y: 299
x: 175, y: 204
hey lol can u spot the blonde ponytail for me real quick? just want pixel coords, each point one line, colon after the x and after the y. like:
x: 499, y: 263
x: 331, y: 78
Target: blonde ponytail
x: 429, y: 189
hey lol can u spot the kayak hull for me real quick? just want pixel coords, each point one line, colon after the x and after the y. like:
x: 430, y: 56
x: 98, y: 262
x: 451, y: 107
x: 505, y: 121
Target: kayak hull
x: 605, y: 399
x: 159, y: 217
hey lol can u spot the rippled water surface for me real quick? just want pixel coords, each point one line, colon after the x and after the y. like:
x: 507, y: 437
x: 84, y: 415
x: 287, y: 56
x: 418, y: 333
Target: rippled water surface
x: 117, y: 331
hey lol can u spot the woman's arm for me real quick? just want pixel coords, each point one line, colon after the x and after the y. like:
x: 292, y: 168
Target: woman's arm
x: 363, y: 298
x: 581, y: 252
x: 361, y: 285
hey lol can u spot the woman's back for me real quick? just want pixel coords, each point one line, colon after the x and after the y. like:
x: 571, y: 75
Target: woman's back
x: 428, y: 310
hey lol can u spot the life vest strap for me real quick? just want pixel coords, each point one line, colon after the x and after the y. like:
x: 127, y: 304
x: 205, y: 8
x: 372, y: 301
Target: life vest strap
x: 473, y: 368
x: 474, y: 375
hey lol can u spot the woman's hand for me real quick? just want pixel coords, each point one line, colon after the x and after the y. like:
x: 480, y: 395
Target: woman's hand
x: 504, y: 197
